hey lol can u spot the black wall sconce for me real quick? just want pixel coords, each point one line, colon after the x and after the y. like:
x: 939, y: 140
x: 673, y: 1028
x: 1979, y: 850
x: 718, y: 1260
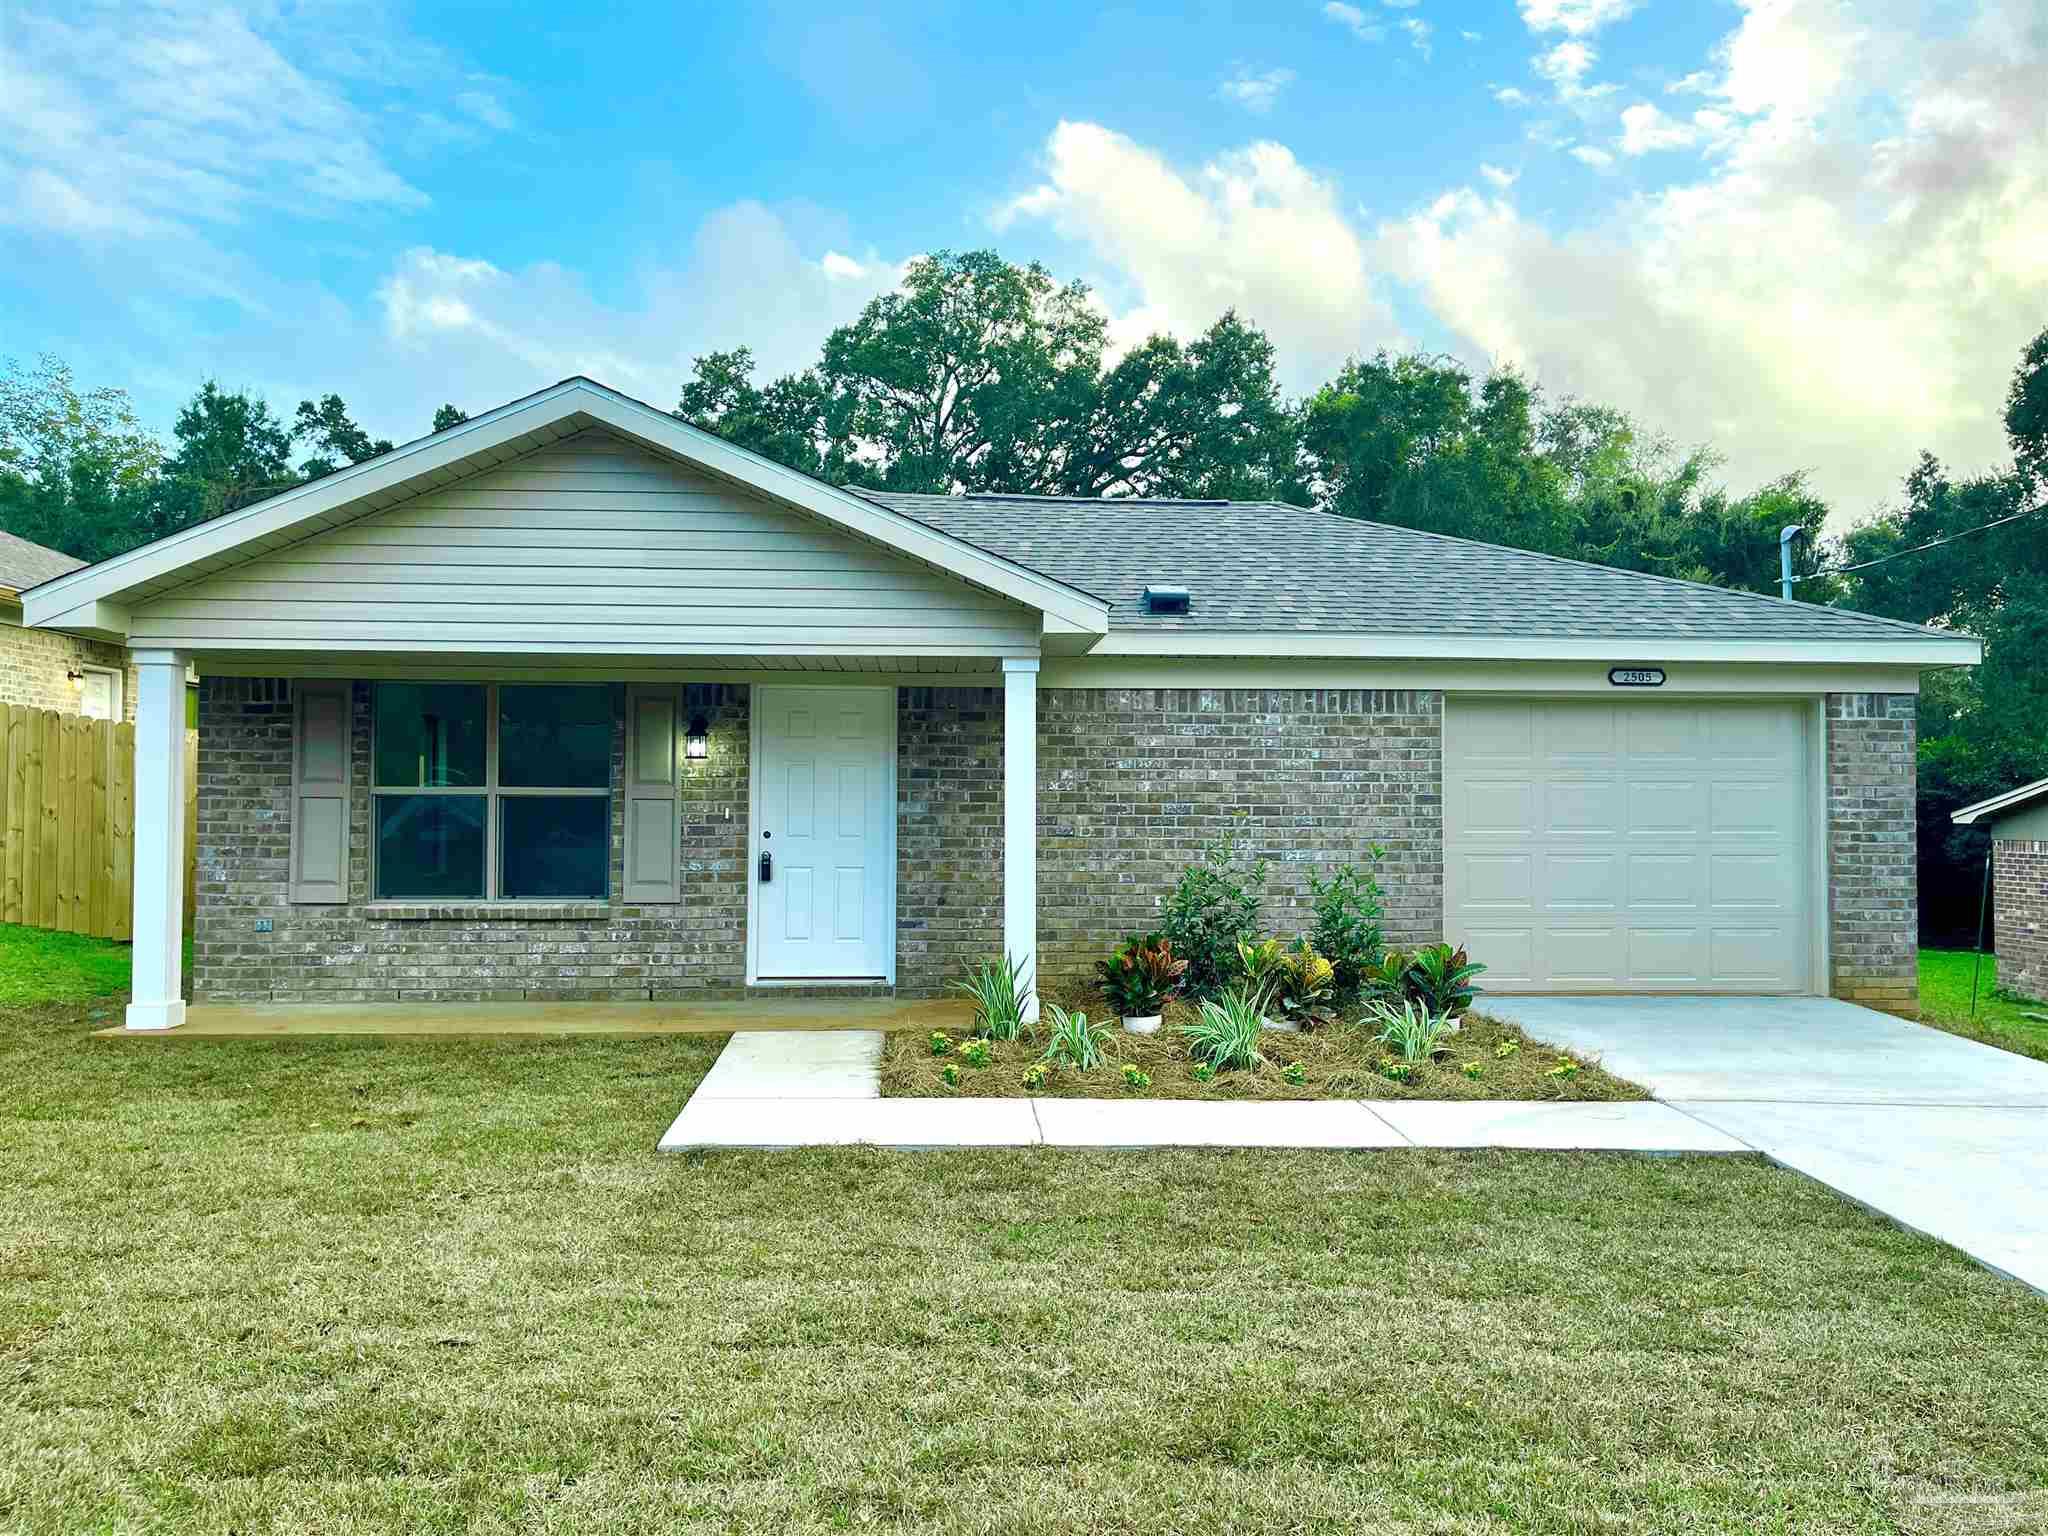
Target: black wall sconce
x: 697, y: 739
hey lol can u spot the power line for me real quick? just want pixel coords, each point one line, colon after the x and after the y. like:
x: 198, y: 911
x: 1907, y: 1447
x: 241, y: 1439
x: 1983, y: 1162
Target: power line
x: 1900, y: 554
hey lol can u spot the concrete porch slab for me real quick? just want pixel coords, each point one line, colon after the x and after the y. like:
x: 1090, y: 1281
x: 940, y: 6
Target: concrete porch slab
x: 1632, y: 1127
x: 763, y: 1065
x: 434, y: 1021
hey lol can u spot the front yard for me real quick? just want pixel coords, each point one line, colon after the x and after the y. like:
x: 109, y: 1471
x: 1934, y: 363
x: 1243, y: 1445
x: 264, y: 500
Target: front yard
x: 2008, y: 1022
x: 351, y: 1284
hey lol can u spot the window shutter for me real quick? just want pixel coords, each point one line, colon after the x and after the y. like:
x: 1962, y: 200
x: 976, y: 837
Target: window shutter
x: 653, y: 849
x: 320, y: 801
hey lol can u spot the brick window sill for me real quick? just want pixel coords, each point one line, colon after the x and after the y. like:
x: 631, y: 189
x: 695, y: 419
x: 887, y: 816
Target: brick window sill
x: 491, y: 911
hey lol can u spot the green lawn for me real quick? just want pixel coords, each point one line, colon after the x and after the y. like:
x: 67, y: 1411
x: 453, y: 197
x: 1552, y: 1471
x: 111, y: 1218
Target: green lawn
x: 2013, y: 1023
x: 38, y: 966
x: 350, y: 1285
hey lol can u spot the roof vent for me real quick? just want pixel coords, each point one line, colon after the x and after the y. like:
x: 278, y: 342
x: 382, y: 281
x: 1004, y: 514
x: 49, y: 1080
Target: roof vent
x: 1166, y: 599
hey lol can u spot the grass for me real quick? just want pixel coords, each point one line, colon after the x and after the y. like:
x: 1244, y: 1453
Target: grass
x: 37, y: 965
x: 353, y: 1285
x: 1342, y: 1061
x: 2007, y: 1021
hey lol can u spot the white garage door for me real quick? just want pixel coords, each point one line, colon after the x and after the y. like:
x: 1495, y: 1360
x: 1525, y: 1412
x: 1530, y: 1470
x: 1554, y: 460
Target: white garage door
x: 1629, y: 846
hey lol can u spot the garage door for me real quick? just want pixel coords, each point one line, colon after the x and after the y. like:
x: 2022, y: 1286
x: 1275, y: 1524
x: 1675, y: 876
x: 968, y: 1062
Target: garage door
x: 1629, y: 846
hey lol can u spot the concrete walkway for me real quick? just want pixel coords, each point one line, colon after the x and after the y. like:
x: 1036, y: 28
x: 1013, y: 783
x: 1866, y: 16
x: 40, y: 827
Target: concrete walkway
x: 810, y: 1090
x: 1939, y: 1133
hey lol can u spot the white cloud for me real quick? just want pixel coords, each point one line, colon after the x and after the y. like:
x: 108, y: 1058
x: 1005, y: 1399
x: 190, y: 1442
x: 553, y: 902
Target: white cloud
x: 1499, y: 177
x: 1566, y: 64
x: 1589, y: 154
x: 148, y: 122
x: 1851, y: 279
x: 1472, y: 37
x: 1418, y: 32
x: 1253, y: 229
x: 1574, y: 18
x: 1355, y: 20
x: 1513, y: 96
x: 1255, y: 91
x: 1699, y: 83
x: 1645, y: 130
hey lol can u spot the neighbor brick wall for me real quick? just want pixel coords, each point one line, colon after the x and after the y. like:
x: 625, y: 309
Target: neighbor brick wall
x: 352, y: 953
x: 35, y: 667
x: 1873, y: 889
x: 1133, y: 781
x: 2019, y: 881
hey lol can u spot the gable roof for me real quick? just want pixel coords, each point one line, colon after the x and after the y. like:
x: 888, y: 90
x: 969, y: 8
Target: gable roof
x: 1269, y: 569
x: 95, y: 600
x: 24, y: 565
x: 1998, y: 805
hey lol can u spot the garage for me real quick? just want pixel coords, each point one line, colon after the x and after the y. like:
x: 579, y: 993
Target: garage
x: 1624, y: 845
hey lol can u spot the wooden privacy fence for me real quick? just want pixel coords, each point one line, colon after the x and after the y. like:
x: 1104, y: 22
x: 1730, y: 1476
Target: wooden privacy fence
x: 67, y: 822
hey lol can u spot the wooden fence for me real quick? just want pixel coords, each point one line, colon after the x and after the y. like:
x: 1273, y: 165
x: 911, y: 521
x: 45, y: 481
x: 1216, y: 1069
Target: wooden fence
x: 67, y: 822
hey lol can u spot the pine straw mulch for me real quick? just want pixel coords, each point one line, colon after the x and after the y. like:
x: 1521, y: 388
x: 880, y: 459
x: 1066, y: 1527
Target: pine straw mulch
x: 1339, y: 1061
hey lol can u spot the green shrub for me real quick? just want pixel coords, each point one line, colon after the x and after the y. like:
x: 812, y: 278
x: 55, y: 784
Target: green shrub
x: 1295, y: 1072
x: 1141, y: 974
x: 1136, y: 1078
x: 1436, y: 976
x: 950, y: 1074
x: 1305, y: 985
x: 1071, y: 1039
x: 1414, y: 1031
x: 1202, y: 1072
x: 1001, y: 992
x: 1225, y: 1031
x: 976, y: 1053
x: 1213, y: 907
x: 942, y: 1043
x: 1348, y: 908
x: 1035, y: 1076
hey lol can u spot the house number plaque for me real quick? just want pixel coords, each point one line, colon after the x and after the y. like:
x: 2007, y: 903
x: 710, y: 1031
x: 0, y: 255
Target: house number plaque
x: 1636, y: 677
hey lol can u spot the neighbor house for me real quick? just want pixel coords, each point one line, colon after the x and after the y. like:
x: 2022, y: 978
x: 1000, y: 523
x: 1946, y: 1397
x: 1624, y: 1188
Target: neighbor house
x: 2018, y: 823
x: 577, y: 701
x: 46, y: 668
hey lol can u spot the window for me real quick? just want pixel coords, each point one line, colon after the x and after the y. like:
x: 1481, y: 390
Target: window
x: 491, y: 791
x: 99, y: 693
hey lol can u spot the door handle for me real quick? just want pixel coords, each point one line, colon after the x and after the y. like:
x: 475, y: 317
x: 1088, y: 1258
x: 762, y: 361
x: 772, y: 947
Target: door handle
x: 767, y: 867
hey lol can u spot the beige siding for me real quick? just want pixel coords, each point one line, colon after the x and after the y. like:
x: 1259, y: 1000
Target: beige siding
x: 589, y: 545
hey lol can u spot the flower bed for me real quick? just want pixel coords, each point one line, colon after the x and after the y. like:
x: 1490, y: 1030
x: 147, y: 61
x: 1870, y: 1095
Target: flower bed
x: 1485, y: 1059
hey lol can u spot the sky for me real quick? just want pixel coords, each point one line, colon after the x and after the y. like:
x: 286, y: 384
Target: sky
x: 1813, y: 234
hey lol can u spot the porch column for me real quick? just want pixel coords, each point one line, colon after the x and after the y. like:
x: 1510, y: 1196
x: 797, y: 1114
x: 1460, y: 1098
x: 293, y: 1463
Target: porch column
x: 159, y: 948
x: 1020, y: 817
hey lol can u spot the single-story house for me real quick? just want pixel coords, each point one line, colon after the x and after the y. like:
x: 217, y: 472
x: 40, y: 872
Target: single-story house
x: 47, y: 668
x: 2018, y: 823
x: 575, y: 700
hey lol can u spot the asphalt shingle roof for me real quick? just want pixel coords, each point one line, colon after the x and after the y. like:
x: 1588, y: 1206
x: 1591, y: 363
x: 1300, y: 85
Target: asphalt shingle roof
x: 1252, y: 566
x: 24, y: 565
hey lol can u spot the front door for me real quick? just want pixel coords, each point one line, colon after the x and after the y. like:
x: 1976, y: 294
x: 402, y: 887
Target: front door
x: 823, y: 813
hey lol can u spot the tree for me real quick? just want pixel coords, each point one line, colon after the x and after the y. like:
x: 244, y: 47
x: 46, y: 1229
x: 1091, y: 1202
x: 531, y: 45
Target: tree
x: 77, y: 470
x: 787, y: 422
x: 330, y: 428
x: 231, y: 451
x: 448, y: 416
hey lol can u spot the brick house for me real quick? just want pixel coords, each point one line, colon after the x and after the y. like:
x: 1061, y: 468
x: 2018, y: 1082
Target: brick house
x: 47, y: 668
x: 2018, y: 824
x: 574, y: 700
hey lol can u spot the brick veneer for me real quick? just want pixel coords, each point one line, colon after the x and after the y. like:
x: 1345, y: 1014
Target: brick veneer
x: 1873, y: 889
x: 36, y: 666
x: 2019, y: 877
x: 1133, y: 781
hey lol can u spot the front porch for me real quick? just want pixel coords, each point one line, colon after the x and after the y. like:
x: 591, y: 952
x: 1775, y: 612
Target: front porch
x: 454, y: 1021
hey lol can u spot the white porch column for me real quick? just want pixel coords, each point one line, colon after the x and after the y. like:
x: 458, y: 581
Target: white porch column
x: 159, y: 950
x: 1020, y: 817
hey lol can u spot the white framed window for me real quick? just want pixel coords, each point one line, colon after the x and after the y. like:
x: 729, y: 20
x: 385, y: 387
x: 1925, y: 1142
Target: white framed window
x: 490, y: 791
x: 99, y: 693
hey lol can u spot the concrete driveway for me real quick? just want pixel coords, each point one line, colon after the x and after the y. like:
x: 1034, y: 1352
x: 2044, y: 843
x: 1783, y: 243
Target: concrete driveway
x: 1939, y: 1133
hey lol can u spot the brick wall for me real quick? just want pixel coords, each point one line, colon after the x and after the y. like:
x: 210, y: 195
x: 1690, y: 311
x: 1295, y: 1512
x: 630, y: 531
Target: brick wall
x: 1873, y: 890
x: 35, y: 667
x: 353, y: 953
x: 2019, y: 880
x: 1132, y: 782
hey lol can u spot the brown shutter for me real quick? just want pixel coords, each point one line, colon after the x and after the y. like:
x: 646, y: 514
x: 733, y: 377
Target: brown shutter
x: 320, y: 802
x: 653, y: 853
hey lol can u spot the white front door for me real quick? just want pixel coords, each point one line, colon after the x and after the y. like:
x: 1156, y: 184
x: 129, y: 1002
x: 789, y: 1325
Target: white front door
x: 1606, y: 845
x: 824, y: 810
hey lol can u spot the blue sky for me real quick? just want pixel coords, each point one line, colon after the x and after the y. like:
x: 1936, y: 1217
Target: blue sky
x: 1807, y: 231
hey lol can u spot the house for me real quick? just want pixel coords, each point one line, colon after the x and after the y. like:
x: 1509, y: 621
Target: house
x: 574, y: 700
x: 48, y: 669
x: 2018, y: 823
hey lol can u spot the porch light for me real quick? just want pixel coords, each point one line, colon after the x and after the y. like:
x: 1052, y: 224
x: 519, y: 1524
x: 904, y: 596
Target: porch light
x: 697, y: 741
x: 76, y: 678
